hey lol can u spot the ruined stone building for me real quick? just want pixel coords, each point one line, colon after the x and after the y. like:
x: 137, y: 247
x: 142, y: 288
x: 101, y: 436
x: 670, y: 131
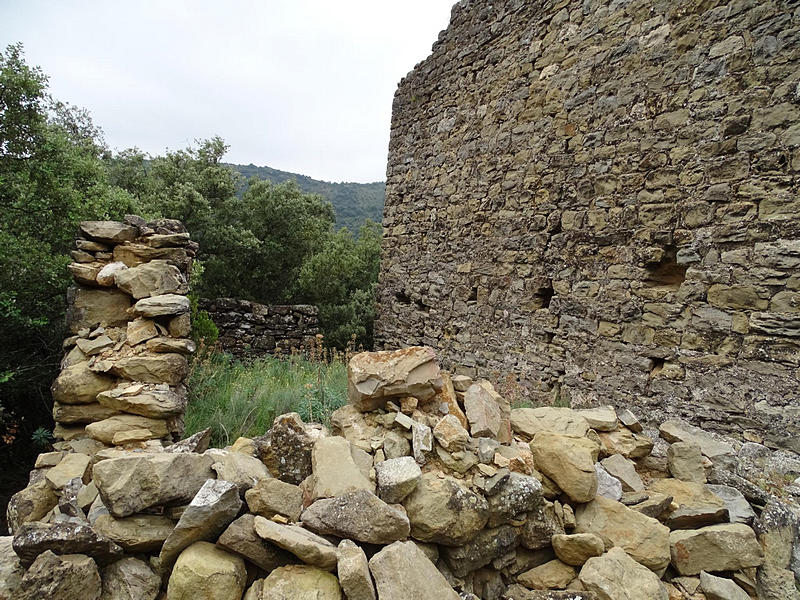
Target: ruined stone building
x: 600, y: 198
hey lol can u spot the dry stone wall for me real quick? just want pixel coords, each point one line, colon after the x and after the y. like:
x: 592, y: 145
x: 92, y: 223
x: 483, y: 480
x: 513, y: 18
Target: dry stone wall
x: 248, y: 328
x: 601, y: 199
x: 121, y: 380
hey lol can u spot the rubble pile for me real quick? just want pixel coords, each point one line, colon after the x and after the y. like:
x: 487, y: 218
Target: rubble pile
x: 426, y: 486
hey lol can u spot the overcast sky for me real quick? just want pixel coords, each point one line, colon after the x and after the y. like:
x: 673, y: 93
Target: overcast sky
x: 300, y: 85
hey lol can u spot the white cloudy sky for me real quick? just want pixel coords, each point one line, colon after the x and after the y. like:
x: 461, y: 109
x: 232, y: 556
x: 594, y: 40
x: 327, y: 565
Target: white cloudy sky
x: 299, y: 85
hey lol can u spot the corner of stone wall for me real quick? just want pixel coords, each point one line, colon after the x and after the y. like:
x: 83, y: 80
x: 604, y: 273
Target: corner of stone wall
x: 121, y: 379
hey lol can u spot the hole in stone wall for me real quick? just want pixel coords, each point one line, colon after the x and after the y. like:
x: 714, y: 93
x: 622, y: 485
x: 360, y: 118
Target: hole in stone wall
x: 658, y: 365
x: 402, y: 298
x: 667, y: 272
x: 546, y: 294
x: 473, y: 295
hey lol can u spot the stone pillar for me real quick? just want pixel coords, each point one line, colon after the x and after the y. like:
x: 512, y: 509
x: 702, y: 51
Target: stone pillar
x: 121, y: 380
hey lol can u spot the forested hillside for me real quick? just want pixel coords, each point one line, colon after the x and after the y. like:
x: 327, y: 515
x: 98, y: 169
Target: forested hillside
x: 352, y: 202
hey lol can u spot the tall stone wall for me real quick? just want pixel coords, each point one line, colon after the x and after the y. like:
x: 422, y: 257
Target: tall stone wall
x: 601, y: 197
x: 121, y: 380
x: 251, y: 329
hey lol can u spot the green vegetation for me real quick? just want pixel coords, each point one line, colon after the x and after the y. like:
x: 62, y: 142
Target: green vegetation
x: 238, y: 399
x: 354, y: 203
x: 259, y: 240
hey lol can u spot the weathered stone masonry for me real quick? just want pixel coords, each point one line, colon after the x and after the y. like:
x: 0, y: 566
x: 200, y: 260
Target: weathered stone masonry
x: 602, y: 198
x: 248, y: 328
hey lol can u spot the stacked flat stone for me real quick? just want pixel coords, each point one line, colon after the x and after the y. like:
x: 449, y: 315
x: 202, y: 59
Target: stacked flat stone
x: 427, y: 486
x: 251, y: 329
x: 589, y: 195
x: 122, y: 376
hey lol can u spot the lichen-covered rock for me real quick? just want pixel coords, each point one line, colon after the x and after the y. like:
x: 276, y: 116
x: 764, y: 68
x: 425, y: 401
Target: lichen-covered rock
x: 66, y: 537
x: 481, y: 550
x: 374, y: 377
x: 154, y: 278
x: 30, y: 504
x: 213, y: 507
x: 11, y: 570
x: 402, y: 571
x: 352, y: 570
x: 518, y: 495
x: 286, y: 449
x: 616, y: 576
x: 359, y: 516
x: 109, y: 232
x: 444, y: 511
x: 397, y: 478
x: 66, y: 577
x: 205, y: 572
x: 133, y: 483
x: 129, y: 579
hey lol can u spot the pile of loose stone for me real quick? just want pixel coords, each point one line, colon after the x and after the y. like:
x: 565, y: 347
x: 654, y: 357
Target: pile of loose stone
x: 427, y: 486
x: 121, y: 378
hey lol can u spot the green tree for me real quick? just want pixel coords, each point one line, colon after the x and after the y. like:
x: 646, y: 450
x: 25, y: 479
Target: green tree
x: 51, y: 177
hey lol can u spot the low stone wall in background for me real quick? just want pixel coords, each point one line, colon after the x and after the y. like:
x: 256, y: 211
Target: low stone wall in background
x: 252, y: 329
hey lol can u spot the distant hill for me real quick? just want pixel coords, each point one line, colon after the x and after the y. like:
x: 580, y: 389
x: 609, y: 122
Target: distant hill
x: 353, y: 202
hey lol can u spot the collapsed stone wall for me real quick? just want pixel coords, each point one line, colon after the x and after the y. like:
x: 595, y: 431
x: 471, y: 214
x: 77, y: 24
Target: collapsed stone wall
x: 601, y: 197
x: 121, y: 378
x: 248, y: 328
x: 426, y: 486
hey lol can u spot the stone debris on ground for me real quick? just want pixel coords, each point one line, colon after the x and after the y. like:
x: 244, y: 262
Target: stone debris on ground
x: 361, y: 513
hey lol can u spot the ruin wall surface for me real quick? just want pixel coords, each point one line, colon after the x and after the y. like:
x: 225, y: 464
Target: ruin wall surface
x: 251, y: 329
x: 600, y: 198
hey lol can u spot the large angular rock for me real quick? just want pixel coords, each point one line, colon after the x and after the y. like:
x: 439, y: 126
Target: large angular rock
x: 146, y: 400
x: 448, y: 401
x: 450, y: 434
x: 519, y: 592
x: 777, y: 530
x: 518, y: 495
x: 552, y: 574
x: 11, y: 570
x: 348, y: 422
x: 602, y: 418
x: 211, y: 510
x: 685, y: 462
x: 726, y: 547
x: 359, y: 516
x: 308, y: 547
x: 488, y: 413
x: 155, y: 278
x: 774, y: 583
x: 147, y: 429
x: 88, y: 307
x: 568, y: 461
x: 78, y: 385
x: 739, y: 509
x: 397, y: 478
x: 353, y: 572
x: 625, y: 442
x: 401, y: 571
x: 678, y: 431
x: 270, y: 497
x: 335, y: 471
x: 30, y: 504
x: 577, y: 548
x: 297, y: 582
x: 73, y: 465
x: 72, y: 414
x: 165, y: 305
x: 444, y: 511
x: 66, y: 577
x: 241, y: 469
x: 286, y: 449
x: 527, y: 422
x: 608, y: 486
x: 130, y: 484
x: 646, y: 540
x: 170, y: 368
x: 240, y: 537
x: 720, y: 588
x: 137, y: 533
x: 32, y: 539
x: 625, y: 471
x: 696, y: 505
x: 486, y: 546
x: 129, y: 579
x: 540, y: 527
x: 375, y: 377
x: 205, y: 572
x: 616, y: 576
x: 109, y: 232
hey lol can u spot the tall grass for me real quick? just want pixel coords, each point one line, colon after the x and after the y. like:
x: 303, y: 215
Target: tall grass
x: 238, y: 398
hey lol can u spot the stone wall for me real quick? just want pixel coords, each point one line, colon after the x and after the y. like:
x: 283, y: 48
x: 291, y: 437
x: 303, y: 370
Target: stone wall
x: 121, y: 380
x: 247, y: 328
x: 601, y: 198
